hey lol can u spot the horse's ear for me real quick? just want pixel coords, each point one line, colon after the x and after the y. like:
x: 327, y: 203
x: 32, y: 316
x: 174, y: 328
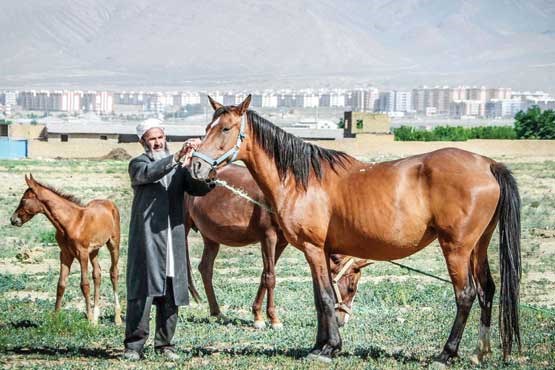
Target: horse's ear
x: 244, y: 105
x: 31, y: 182
x: 214, y: 103
x: 362, y: 263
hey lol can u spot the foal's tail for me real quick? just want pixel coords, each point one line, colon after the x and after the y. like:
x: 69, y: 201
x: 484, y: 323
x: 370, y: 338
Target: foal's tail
x: 508, y: 210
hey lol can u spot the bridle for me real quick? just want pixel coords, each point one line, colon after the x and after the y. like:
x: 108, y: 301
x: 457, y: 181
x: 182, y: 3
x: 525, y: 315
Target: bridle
x: 230, y: 155
x: 340, y: 304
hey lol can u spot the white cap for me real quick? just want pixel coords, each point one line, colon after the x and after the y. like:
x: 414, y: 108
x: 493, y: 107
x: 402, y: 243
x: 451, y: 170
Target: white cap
x: 146, y: 125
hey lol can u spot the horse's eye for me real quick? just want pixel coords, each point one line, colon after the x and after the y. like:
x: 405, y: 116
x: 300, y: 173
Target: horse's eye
x: 225, y: 129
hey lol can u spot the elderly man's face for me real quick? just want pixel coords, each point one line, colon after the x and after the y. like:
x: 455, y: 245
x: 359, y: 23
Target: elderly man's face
x: 155, y: 139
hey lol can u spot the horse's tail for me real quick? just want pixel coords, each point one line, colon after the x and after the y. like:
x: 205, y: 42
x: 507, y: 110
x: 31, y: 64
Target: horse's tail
x: 188, y: 225
x: 508, y: 210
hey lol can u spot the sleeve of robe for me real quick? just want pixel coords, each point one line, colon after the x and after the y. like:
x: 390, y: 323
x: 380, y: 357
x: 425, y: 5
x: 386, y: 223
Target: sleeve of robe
x: 143, y: 171
x: 193, y: 186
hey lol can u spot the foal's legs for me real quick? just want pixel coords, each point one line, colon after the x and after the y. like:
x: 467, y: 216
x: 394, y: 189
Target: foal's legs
x: 486, y: 289
x: 83, y: 257
x: 457, y: 256
x: 328, y: 340
x: 66, y: 259
x: 113, y: 247
x: 206, y: 268
x: 96, y: 279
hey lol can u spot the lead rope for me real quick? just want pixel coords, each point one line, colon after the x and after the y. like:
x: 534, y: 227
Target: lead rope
x: 243, y: 194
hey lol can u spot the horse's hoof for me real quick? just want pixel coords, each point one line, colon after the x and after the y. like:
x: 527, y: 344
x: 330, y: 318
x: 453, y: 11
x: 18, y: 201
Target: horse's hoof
x: 478, y: 357
x: 318, y: 357
x: 259, y: 324
x: 277, y: 326
x: 221, y: 318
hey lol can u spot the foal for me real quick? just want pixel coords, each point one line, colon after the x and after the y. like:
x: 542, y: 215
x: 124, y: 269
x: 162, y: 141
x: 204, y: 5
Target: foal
x: 80, y: 232
x: 225, y: 218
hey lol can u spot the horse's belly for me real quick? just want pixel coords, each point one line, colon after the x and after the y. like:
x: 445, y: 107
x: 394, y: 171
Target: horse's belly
x: 382, y: 246
x: 232, y: 235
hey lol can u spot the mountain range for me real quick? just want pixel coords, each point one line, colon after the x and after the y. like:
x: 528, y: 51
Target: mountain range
x: 286, y: 43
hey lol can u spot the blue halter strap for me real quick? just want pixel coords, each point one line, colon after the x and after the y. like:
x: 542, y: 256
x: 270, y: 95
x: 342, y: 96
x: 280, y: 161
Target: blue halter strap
x: 230, y: 154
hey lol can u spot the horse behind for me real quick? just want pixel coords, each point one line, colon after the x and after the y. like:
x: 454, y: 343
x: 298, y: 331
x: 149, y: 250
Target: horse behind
x: 80, y: 232
x: 225, y: 218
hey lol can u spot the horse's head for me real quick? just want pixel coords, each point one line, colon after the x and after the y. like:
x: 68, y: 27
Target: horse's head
x: 29, y: 205
x: 346, y: 273
x: 222, y: 143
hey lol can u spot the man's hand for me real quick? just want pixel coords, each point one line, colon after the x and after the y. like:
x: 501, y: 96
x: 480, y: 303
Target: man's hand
x: 185, y: 154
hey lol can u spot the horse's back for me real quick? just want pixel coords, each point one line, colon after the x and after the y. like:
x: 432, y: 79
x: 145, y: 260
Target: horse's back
x: 102, y: 219
x: 396, y: 206
x: 225, y: 217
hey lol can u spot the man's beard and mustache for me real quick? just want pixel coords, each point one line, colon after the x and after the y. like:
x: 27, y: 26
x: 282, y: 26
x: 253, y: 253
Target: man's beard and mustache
x: 157, y: 154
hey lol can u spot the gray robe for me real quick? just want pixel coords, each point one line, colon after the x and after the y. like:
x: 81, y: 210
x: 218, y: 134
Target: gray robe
x: 148, y: 229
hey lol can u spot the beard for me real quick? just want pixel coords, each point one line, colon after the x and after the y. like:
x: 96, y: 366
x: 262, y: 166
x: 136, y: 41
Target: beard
x: 157, y: 154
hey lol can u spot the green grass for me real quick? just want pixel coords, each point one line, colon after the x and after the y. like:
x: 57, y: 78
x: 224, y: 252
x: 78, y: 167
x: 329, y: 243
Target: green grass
x: 401, y: 320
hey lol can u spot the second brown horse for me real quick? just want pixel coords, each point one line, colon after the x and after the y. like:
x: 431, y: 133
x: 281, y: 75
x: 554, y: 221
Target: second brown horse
x: 225, y: 218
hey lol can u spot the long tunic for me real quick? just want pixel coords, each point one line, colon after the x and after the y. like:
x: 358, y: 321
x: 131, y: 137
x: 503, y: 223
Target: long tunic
x: 153, y: 204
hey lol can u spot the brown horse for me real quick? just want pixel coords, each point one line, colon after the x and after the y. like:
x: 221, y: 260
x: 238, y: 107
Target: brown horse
x: 225, y: 218
x: 329, y: 202
x: 80, y: 232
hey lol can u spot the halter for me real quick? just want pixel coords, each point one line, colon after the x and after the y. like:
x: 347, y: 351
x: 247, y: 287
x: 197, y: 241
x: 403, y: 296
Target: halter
x: 340, y: 304
x: 233, y: 152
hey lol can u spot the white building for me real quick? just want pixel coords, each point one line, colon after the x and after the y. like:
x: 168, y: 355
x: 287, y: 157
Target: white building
x: 311, y: 100
x: 269, y: 100
x: 395, y: 101
x: 71, y: 101
x: 503, y: 108
x: 190, y: 98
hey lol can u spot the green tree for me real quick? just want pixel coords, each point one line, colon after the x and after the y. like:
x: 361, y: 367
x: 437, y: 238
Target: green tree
x: 535, y: 124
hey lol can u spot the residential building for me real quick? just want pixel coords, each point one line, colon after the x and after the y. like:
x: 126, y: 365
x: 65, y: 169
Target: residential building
x: 503, y: 108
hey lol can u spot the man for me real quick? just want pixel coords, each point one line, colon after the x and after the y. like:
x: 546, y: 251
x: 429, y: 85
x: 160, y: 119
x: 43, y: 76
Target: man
x: 156, y: 267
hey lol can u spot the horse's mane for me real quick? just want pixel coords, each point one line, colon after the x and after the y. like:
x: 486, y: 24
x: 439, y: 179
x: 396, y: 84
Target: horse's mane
x: 292, y: 154
x: 60, y: 193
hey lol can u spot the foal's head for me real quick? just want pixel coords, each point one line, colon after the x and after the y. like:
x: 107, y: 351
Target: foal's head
x: 222, y: 143
x: 29, y: 205
x: 349, y: 271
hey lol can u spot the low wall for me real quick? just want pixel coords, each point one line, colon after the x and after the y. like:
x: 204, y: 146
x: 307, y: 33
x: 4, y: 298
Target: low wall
x: 362, y: 145
x: 84, y: 148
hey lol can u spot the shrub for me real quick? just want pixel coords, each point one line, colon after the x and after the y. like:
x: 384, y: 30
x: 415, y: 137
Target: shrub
x: 535, y: 124
x: 453, y: 133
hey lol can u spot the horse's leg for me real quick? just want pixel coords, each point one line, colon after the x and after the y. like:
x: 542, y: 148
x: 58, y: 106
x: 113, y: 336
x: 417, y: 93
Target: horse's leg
x: 485, y: 288
x: 259, y: 323
x: 83, y: 257
x: 206, y: 268
x: 457, y: 256
x: 113, y: 247
x: 96, y: 279
x: 267, y: 281
x: 328, y: 340
x: 66, y: 259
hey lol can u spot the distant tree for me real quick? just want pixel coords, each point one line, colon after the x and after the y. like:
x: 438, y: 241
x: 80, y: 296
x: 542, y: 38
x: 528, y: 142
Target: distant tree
x: 360, y: 124
x: 341, y: 123
x: 535, y: 124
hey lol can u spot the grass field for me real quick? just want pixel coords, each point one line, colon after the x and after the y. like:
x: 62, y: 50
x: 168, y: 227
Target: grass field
x: 401, y: 319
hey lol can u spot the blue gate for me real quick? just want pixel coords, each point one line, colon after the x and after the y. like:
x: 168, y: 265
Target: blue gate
x: 12, y: 148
